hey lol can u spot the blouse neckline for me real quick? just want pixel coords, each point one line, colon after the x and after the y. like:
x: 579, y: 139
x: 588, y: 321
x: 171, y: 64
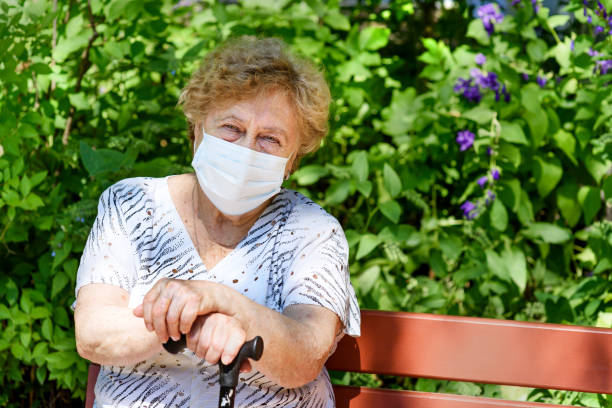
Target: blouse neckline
x: 189, y: 242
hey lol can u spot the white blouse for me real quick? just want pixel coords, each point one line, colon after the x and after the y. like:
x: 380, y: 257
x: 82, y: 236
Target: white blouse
x: 295, y: 253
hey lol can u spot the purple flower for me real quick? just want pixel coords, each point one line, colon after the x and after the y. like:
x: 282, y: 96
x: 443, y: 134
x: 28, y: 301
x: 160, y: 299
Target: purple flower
x: 590, y: 19
x: 490, y: 197
x: 536, y: 6
x: 489, y: 151
x: 541, y: 81
x: 515, y: 2
x: 489, y: 15
x: 525, y: 76
x: 480, y: 59
x: 465, y: 138
x: 470, y: 92
x: 592, y: 52
x: 482, y: 181
x: 603, y: 66
x: 572, y: 45
x: 599, y: 29
x: 53, y: 254
x: 469, y: 210
x: 495, y: 174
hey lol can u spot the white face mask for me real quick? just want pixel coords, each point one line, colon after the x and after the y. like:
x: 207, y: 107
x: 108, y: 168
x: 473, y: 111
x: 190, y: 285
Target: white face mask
x: 236, y: 179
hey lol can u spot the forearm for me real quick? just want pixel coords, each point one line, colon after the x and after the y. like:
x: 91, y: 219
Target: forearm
x: 112, y: 335
x: 294, y: 351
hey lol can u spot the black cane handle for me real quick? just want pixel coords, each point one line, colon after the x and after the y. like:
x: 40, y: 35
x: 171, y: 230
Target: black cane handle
x: 228, y: 374
x: 176, y: 346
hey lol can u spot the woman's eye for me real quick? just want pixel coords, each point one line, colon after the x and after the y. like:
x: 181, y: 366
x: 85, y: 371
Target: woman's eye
x: 270, y: 139
x: 231, y: 128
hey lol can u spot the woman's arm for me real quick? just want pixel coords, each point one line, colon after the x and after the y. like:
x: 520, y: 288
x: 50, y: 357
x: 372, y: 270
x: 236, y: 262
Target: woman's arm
x: 297, y: 343
x: 106, y: 330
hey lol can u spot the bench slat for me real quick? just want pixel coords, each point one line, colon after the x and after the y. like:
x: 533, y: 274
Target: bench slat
x: 479, y: 350
x: 362, y: 397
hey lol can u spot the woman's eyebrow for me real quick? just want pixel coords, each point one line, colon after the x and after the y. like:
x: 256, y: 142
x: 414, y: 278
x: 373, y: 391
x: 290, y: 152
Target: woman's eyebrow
x: 229, y: 117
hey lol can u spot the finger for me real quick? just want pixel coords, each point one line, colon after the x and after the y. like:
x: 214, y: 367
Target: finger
x: 235, y: 339
x: 217, y: 342
x: 172, y: 317
x: 147, y: 305
x: 245, y: 367
x: 138, y: 311
x: 188, y: 317
x: 193, y: 337
x: 159, y: 312
x: 205, y: 337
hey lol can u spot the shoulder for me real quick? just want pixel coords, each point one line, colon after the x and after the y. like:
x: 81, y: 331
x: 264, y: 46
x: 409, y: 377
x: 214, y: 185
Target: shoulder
x: 129, y: 196
x: 309, y: 217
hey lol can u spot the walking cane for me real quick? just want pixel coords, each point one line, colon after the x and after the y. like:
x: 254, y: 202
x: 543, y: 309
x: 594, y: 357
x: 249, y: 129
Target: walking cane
x: 228, y: 374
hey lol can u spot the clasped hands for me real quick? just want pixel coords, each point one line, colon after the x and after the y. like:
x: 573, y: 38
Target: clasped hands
x: 174, y: 307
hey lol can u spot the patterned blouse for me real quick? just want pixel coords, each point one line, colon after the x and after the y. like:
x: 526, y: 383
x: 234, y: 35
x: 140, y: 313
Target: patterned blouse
x: 295, y: 253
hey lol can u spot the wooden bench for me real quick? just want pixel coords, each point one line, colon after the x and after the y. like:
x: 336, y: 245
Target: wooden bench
x: 465, y: 349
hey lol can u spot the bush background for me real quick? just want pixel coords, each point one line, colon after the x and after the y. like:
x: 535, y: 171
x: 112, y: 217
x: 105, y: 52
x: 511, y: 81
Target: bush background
x: 88, y: 97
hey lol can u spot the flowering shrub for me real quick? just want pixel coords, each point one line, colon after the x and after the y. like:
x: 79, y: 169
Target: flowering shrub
x: 473, y: 181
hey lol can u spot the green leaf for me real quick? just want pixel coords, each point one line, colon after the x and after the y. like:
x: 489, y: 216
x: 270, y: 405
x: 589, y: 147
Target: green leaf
x: 74, y: 26
x: 477, y: 31
x: 68, y: 45
x: 558, y: 311
x: 25, y: 186
x: 60, y: 280
x: 32, y: 202
x: 338, y: 192
x: 547, y: 174
x: 41, y: 374
x: 360, y: 166
x: 479, y: 114
x: 437, y: 263
x: 499, y: 216
x: 513, y: 133
x: 515, y: 262
x: 567, y: 202
x: 590, y: 201
x: 367, y: 244
x: 310, y: 174
x: 607, y: 187
x: 79, y: 101
x: 567, y: 143
x: 61, y: 360
x: 47, y: 329
x: 99, y: 161
x: 364, y: 187
x: 549, y: 233
x: 40, y: 312
x: 373, y: 37
x: 392, y: 182
x: 391, y: 209
x: 558, y: 20
x: 496, y: 265
x: 368, y: 278
x: 597, y: 168
x: 536, y: 49
x: 335, y: 19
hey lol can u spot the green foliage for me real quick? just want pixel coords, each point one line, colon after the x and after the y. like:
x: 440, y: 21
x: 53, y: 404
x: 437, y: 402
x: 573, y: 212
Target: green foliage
x: 93, y: 101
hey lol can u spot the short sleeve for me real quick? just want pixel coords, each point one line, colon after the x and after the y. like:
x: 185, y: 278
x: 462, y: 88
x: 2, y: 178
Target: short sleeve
x: 108, y: 256
x: 319, y: 276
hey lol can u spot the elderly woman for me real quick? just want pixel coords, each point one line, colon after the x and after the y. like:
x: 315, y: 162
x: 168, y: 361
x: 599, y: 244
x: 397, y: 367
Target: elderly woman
x: 224, y: 254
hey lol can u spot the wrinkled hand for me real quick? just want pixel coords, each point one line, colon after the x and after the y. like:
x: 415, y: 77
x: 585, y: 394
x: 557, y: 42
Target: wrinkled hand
x: 172, y: 306
x: 217, y: 336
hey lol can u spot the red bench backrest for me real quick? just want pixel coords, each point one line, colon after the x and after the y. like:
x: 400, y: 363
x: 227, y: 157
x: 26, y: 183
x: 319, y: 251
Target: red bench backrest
x: 465, y: 349
x: 471, y: 349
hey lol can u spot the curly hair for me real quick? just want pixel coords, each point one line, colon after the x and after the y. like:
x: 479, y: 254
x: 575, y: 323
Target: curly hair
x: 243, y: 67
